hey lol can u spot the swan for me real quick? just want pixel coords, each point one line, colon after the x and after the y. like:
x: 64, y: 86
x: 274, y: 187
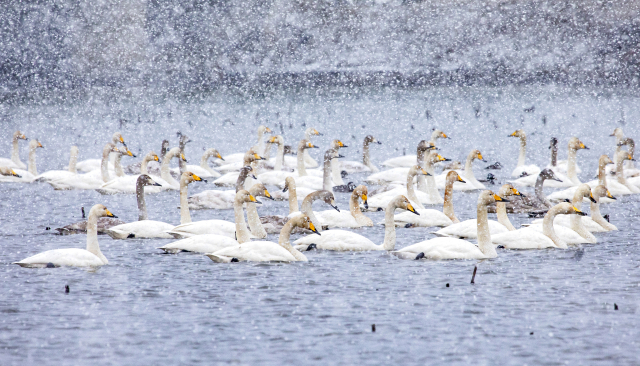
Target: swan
x: 15, y: 162
x: 90, y: 257
x: 431, y: 217
x: 560, y: 167
x: 204, y: 170
x: 153, y: 167
x: 253, y: 219
x: 336, y: 166
x: 166, y: 179
x: 453, y: 248
x: 428, y: 183
x: 266, y: 251
x: 583, y: 191
x: 129, y: 183
x: 221, y: 227
x: 528, y: 238
x: 89, y: 180
x: 595, y: 223
x: 277, y: 175
x: 95, y: 164
x: 467, y: 174
x: 80, y: 227
x: 352, y: 219
x: 258, y: 148
x: 561, y: 180
x: 522, y: 169
x: 398, y: 174
x: 416, y: 198
x: 29, y: 175
x: 218, y: 199
x: 366, y: 165
x: 229, y: 179
x: 308, y: 160
x: 143, y: 228
x: 342, y: 240
x: 615, y: 187
x: 537, y: 204
x: 61, y: 174
x: 105, y: 171
x: 468, y: 229
x: 620, y: 177
x: 182, y: 143
x: 317, y: 183
x: 408, y: 160
x: 630, y: 170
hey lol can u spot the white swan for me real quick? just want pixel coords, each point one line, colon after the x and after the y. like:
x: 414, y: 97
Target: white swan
x: 166, y: 179
x: 277, y: 175
x: 521, y: 168
x: 467, y: 174
x: 220, y: 199
x: 143, y: 228
x: 616, y: 188
x: 559, y: 167
x: 237, y: 158
x: 566, y: 177
x: 129, y: 183
x: 317, y: 183
x: 336, y: 165
x: 399, y: 174
x: 29, y: 175
x: 416, y: 198
x: 408, y: 160
x: 431, y: 217
x: 14, y: 162
x: 266, y: 251
x: 229, y: 179
x: 221, y: 227
x: 88, y: 165
x: 61, y: 174
x: 90, y: 257
x: 342, y: 240
x: 428, y: 183
x: 529, y: 238
x: 366, y: 165
x: 452, y: 248
x: 468, y: 229
x: 629, y: 169
x: 352, y: 219
x: 253, y: 219
x: 89, y: 180
x: 204, y: 170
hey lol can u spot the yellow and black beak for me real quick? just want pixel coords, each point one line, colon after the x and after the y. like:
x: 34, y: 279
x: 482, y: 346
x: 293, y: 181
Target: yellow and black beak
x: 411, y: 209
x: 513, y: 134
x: 267, y: 194
x: 272, y: 140
x: 40, y: 144
x: 15, y: 174
x: 156, y: 158
x: 440, y: 158
x: 183, y: 158
x: 312, y: 227
x: 317, y: 133
x: 424, y: 172
x: 583, y: 147
x: 23, y: 137
x: 591, y: 198
x: 196, y: 178
x: 220, y: 157
x: 267, y: 129
x: 516, y: 192
x: 461, y: 180
x: 578, y: 212
x: 109, y: 214
x: 364, y: 200
x: 610, y: 196
x: 444, y: 136
x: 122, y: 140
x: 481, y: 158
x: 258, y: 157
x: 130, y: 153
x: 499, y: 199
x: 341, y: 144
x: 253, y: 199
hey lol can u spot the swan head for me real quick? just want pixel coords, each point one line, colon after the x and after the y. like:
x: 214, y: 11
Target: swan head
x: 453, y: 177
x: 487, y: 197
x: 244, y: 196
x: 213, y: 152
x: 518, y: 133
x: 403, y: 203
x: 146, y: 181
x: 476, y: 154
x: 361, y: 192
x: 251, y: 155
x: 312, y: 131
x: 189, y: 177
x: 553, y: 144
x: 248, y: 171
x: 126, y: 152
x: 628, y: 141
x: 604, y: 160
x: 601, y: 191
x: 117, y: 138
x: 184, y: 139
x: 263, y: 129
x: 549, y: 174
x: 371, y: 140
x: 34, y: 144
x: 425, y: 145
x: 305, y: 144
x: 509, y: 190
x: 576, y: 144
x: 618, y: 133
x: 304, y: 222
x: 584, y: 191
x: 327, y: 197
x: 19, y: 136
x: 289, y: 183
x: 101, y: 211
x: 152, y: 156
x: 437, y: 134
x: 337, y: 144
x: 622, y: 156
x: 278, y: 140
x: 259, y: 190
x: 332, y: 154
x: 416, y: 170
x: 9, y: 172
x: 567, y: 209
x: 288, y: 149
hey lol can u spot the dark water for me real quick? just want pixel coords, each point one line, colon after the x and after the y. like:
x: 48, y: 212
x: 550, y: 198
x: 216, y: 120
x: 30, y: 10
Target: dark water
x: 526, y: 307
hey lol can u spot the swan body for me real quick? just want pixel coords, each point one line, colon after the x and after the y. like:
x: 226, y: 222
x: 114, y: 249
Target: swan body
x: 128, y: 183
x: 29, y: 175
x: 523, y: 168
x: 61, y: 174
x: 14, y: 162
x: 73, y: 257
x: 366, y: 165
x: 407, y: 161
x: 352, y: 219
x: 89, y: 165
x: 206, y: 243
x: 471, y: 183
x: 219, y: 199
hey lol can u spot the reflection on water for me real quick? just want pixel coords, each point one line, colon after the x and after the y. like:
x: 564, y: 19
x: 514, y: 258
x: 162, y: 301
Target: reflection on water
x: 535, y: 307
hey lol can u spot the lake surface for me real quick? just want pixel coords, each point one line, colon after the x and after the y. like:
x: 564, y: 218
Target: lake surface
x: 527, y: 307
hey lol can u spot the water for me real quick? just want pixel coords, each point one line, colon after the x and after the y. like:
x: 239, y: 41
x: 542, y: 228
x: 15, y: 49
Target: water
x: 526, y: 307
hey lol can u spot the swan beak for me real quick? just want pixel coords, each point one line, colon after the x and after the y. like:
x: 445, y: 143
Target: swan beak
x: 583, y: 147
x: 610, y: 196
x: 285, y: 188
x: 254, y: 176
x: 444, y: 136
x: 461, y: 180
x: 342, y: 156
x: 253, y: 199
x: 312, y: 227
x: 15, y: 174
x: 336, y: 207
x: 556, y: 179
x: 183, y: 158
x: 220, y: 157
x: 109, y: 214
x: 195, y: 177
x: 130, y: 153
x: 156, y: 158
x: 513, y: 134
x: 272, y: 140
x: 425, y: 173
x: 431, y: 147
x: 591, y: 198
x: 23, y: 137
x: 410, y: 208
x: 516, y: 192
x: 40, y: 145
x: 341, y: 144
x: 578, y: 212
x: 481, y: 158
x: 378, y: 142
x: 317, y: 133
x: 499, y: 199
x: 267, y: 129
x: 266, y: 194
x: 312, y: 146
x: 157, y: 184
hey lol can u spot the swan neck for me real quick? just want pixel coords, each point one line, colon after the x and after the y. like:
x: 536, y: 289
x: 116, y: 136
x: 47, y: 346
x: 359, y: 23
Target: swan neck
x: 117, y: 166
x: 389, y: 228
x: 571, y: 165
x: 73, y: 160
x: 142, y: 204
x: 185, y: 216
x: 279, y: 158
x: 411, y: 193
x: 354, y: 207
x: 92, y: 237
x: 284, y: 241
x: 447, y: 207
x: 254, y: 221
x: 307, y: 209
x: 484, y: 235
x: 365, y: 155
x: 104, y: 166
x: 602, y: 174
x: 620, y: 172
x: 242, y: 233
x: 302, y: 171
x: 597, y: 216
x: 539, y: 191
x: 242, y: 177
x: 523, y: 151
x: 554, y: 155
x: 32, y: 161
x: 548, y: 229
x: 335, y: 172
x: 15, y: 151
x: 164, y: 170
x: 326, y: 176
x: 501, y: 212
x: 293, y: 199
x: 144, y: 165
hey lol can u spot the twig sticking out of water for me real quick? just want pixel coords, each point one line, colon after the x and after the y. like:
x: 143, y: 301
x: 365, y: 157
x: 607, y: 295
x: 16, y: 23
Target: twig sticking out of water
x: 373, y: 328
x: 473, y: 278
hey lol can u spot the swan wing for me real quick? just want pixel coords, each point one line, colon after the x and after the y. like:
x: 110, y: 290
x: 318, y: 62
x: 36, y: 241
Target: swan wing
x: 218, y: 227
x: 525, y: 238
x: 207, y: 243
x: 427, y: 218
x: 70, y: 257
x: 255, y: 251
x: 141, y: 230
x: 443, y: 248
x: 212, y: 199
x: 469, y: 229
x: 338, y: 240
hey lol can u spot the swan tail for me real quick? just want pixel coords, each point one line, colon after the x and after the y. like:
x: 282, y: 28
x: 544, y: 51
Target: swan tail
x: 404, y: 255
x: 221, y: 258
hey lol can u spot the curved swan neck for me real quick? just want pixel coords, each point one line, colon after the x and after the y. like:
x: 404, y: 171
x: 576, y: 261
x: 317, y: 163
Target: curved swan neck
x: 307, y: 209
x: 279, y: 158
x: 284, y: 241
x: 302, y: 171
x: 142, y: 204
x: 554, y: 154
x: 164, y: 167
x: 204, y: 164
x: 32, y: 161
x: 104, y: 165
x: 326, y: 175
x: 411, y: 193
x: 73, y: 159
x: 447, y: 207
x: 117, y: 166
x: 242, y: 177
x: 549, y: 231
x: 484, y: 235
x: 15, y: 150
x: 181, y: 163
x: 501, y: 212
x: 354, y: 207
x: 523, y: 150
x: 539, y: 191
x: 468, y: 165
x: 254, y: 221
x: 620, y: 171
x: 242, y: 233
x: 365, y: 156
x: 92, y: 236
x: 144, y: 164
x: 389, y: 227
x: 185, y: 216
